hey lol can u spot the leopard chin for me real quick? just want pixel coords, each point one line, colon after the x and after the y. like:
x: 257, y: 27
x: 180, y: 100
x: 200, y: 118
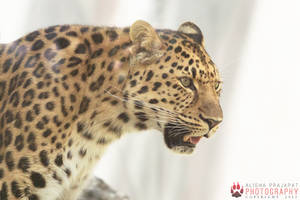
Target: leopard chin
x: 182, y: 149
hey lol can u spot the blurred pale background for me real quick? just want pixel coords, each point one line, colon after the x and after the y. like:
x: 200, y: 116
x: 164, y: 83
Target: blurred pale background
x: 256, y: 46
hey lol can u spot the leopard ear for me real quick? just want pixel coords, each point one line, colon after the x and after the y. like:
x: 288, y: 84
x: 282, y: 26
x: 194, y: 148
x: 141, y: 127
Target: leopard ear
x: 147, y: 46
x: 192, y: 30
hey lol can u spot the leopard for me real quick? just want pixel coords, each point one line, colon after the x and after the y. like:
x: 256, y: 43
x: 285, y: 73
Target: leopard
x: 69, y: 91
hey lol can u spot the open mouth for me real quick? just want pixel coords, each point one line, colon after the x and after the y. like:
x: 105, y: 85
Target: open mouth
x: 176, y: 135
x: 192, y: 139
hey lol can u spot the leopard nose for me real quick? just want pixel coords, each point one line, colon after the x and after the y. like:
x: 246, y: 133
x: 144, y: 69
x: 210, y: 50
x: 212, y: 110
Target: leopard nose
x: 211, y: 122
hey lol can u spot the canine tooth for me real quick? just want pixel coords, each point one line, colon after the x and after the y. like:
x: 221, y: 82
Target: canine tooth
x: 186, y: 138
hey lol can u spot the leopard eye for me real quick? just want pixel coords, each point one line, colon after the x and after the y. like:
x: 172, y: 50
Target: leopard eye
x: 217, y: 86
x: 186, y: 81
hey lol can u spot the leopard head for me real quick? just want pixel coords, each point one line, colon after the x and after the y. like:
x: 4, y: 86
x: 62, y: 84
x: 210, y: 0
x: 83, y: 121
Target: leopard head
x: 173, y: 84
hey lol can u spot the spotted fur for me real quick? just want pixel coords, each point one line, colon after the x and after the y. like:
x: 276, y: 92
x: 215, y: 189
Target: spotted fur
x: 67, y: 92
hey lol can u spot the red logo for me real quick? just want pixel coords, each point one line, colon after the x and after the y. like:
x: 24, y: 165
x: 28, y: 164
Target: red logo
x: 236, y: 190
